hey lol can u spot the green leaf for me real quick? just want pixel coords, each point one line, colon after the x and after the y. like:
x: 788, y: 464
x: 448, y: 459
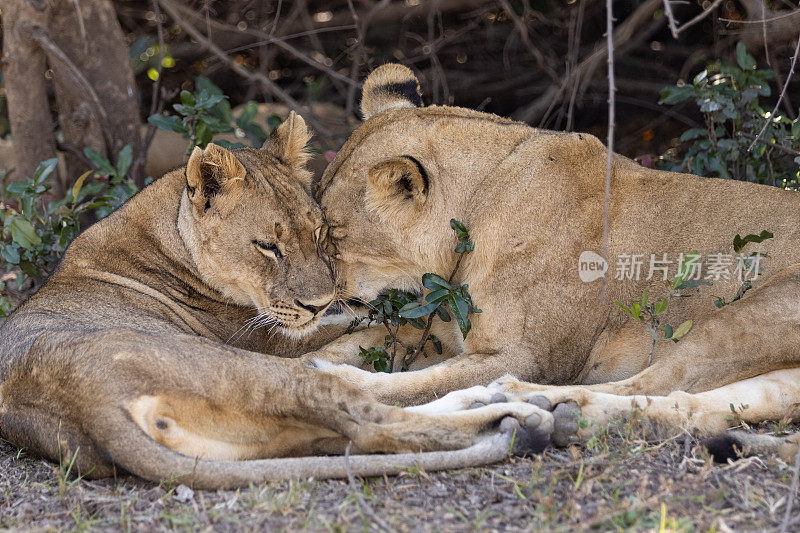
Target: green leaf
x: 102, y: 164
x: 415, y: 310
x: 437, y: 296
x: 668, y: 331
x: 10, y: 253
x: 44, y: 169
x: 693, y: 133
x: 124, y: 160
x: 460, y: 309
x: 624, y: 308
x: 682, y: 330
x: 18, y: 188
x: 434, y: 282
x: 661, y: 305
x: 76, y: 189
x: 701, y: 77
x: 739, y: 242
x: 247, y: 115
x: 745, y: 60
x: 691, y: 284
x: 24, y: 234
x: 203, y: 84
x: 675, y: 95
x: 169, y: 123
x: 188, y: 98
x: 29, y: 269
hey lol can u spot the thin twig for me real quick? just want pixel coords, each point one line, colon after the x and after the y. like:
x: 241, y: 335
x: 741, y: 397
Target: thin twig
x: 610, y: 145
x: 761, y: 21
x: 361, y: 33
x: 526, y: 40
x: 792, y: 492
x: 783, y: 92
x: 673, y: 25
x: 280, y: 42
x: 155, y: 101
x: 171, y: 8
x: 357, y: 493
x: 781, y: 148
x: 699, y: 17
x: 421, y: 346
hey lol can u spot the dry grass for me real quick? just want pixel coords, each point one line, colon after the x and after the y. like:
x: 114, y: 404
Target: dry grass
x: 618, y: 481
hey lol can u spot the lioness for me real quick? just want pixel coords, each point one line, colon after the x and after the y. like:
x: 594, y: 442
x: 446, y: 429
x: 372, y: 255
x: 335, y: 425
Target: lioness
x: 136, y: 353
x: 533, y: 202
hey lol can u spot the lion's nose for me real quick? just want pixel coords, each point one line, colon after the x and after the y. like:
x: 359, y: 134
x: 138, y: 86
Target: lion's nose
x: 314, y: 307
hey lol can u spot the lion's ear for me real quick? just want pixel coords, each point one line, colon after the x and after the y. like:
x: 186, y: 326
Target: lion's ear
x: 397, y: 185
x: 211, y: 171
x: 288, y: 142
x: 389, y: 86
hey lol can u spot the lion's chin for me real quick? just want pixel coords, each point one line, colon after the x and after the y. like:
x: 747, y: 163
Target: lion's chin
x: 297, y: 332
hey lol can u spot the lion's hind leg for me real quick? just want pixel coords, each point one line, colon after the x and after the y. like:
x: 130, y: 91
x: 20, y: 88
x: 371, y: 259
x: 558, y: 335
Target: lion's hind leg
x: 50, y: 436
x: 771, y: 396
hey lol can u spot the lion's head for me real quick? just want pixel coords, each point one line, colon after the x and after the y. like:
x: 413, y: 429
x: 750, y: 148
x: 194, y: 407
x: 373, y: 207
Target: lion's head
x: 252, y: 228
x: 392, y: 189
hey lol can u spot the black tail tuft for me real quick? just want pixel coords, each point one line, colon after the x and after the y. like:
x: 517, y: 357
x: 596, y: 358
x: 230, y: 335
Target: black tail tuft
x: 723, y: 447
x: 529, y: 442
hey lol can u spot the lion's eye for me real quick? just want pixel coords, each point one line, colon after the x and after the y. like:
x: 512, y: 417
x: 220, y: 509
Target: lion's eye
x: 268, y: 249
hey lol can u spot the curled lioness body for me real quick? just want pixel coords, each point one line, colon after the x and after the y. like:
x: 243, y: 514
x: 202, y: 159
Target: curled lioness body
x: 533, y: 202
x: 137, y: 354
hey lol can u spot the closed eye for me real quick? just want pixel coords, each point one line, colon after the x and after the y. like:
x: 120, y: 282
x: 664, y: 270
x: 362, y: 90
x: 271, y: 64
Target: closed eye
x: 269, y: 249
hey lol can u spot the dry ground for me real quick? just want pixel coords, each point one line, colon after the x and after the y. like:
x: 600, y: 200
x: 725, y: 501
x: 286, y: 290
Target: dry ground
x: 617, y: 482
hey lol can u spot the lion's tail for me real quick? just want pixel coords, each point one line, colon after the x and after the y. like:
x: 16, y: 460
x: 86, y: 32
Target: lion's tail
x: 734, y: 444
x: 131, y: 449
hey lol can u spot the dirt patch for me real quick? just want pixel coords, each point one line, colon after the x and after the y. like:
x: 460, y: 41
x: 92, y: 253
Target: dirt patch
x: 616, y: 482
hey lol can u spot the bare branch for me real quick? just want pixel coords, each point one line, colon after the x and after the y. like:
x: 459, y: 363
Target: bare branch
x: 171, y: 8
x: 783, y: 93
x: 526, y: 39
x: 610, y: 145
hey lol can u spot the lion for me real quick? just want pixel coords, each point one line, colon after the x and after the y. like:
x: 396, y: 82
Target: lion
x: 533, y: 201
x: 140, y: 355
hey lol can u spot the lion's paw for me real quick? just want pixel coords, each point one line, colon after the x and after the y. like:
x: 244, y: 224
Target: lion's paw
x: 565, y: 425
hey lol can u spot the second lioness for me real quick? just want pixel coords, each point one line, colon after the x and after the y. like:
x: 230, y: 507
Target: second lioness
x: 533, y: 202
x: 136, y: 356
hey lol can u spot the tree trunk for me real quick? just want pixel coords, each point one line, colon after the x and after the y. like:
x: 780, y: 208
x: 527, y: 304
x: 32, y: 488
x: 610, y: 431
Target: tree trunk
x: 84, y: 46
x: 24, y: 67
x: 88, y: 33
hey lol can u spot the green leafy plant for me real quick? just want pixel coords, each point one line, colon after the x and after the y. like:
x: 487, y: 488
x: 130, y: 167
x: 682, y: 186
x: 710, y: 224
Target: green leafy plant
x: 112, y: 181
x: 651, y: 312
x: 751, y: 262
x: 206, y: 113
x: 36, y: 230
x: 728, y: 98
x: 396, y: 308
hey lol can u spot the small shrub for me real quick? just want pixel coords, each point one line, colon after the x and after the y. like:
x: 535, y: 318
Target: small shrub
x: 396, y: 308
x: 36, y: 230
x: 207, y: 112
x: 728, y: 98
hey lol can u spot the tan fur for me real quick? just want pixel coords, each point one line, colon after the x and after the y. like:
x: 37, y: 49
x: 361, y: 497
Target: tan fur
x: 142, y: 353
x: 533, y: 201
